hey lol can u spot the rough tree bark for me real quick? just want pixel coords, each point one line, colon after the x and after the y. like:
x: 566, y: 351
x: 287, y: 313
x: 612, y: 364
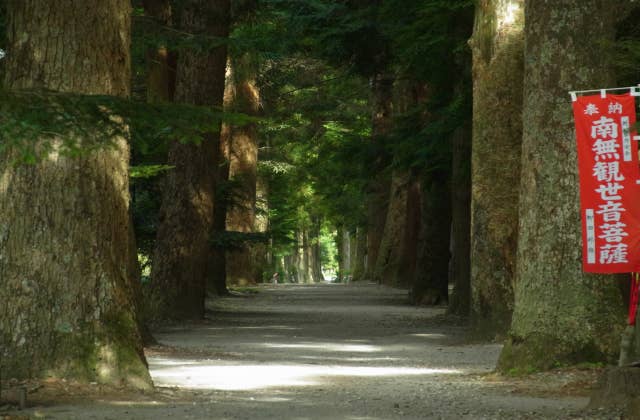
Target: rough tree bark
x: 345, y: 254
x: 397, y: 255
x: 307, y: 257
x: 360, y: 254
x: 243, y: 160
x: 161, y: 65
x: 390, y: 250
x: 180, y: 263
x: 260, y: 254
x: 68, y: 304
x: 161, y: 68
x: 353, y: 253
x: 431, y: 282
x: 498, y: 53
x: 315, y: 261
x: 561, y: 314
x: 459, y: 266
x: 299, y: 258
x: 217, y: 271
x: 413, y: 226
x: 618, y: 386
x: 380, y: 185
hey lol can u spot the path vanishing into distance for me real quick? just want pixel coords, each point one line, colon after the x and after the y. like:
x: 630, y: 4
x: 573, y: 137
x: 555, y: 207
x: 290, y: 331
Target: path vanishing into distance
x: 329, y: 352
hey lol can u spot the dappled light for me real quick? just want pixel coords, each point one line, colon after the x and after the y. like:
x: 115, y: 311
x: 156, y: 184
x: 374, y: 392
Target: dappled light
x: 204, y: 375
x: 319, y: 210
x: 348, y: 348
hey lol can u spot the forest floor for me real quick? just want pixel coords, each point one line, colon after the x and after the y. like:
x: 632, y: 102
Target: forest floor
x: 357, y: 352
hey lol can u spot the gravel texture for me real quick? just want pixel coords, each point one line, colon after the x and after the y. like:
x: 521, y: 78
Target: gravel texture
x: 326, y: 352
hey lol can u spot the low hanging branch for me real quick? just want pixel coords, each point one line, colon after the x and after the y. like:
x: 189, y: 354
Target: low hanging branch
x: 34, y: 123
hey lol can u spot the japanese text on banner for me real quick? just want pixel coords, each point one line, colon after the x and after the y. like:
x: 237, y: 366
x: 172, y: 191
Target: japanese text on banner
x: 609, y: 190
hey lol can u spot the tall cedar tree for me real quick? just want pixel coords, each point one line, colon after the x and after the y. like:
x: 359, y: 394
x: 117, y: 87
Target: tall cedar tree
x: 561, y: 314
x: 243, y: 169
x: 161, y: 60
x: 379, y: 186
x: 397, y: 256
x: 65, y: 231
x: 498, y: 54
x: 183, y: 245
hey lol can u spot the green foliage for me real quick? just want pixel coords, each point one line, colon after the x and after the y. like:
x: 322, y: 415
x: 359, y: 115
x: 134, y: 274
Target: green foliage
x: 3, y: 38
x: 151, y: 33
x: 626, y: 51
x: 429, y: 37
x: 34, y: 124
x: 328, y: 248
x: 148, y: 171
x: 343, y: 33
x: 518, y: 372
x: 316, y: 58
x: 145, y: 204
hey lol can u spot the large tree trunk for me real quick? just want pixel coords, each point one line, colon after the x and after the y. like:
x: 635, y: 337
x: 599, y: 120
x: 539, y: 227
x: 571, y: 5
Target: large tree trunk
x: 161, y: 68
x: 161, y: 63
x: 459, y: 267
x: 561, y: 314
x: 397, y: 255
x: 243, y: 158
x: 379, y: 186
x: 353, y: 254
x: 390, y: 250
x: 618, y: 387
x: 315, y: 253
x: 65, y: 233
x: 180, y: 263
x: 217, y: 271
x: 260, y: 254
x: 431, y: 283
x: 360, y: 254
x: 299, y: 258
x: 307, y: 257
x: 413, y: 225
x: 498, y: 51
x: 345, y: 254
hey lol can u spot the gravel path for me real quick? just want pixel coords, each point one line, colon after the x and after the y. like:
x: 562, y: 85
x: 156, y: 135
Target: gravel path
x: 325, y: 352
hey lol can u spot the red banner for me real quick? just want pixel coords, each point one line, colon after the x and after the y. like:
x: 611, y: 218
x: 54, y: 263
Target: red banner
x: 609, y: 190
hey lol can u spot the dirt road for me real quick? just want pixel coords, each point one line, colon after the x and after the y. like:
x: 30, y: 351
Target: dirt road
x: 330, y: 352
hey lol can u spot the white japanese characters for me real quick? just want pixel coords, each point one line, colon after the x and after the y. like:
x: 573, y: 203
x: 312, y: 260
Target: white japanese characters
x: 591, y: 110
x: 606, y: 222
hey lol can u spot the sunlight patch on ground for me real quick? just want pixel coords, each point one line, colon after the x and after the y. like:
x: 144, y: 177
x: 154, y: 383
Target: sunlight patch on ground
x: 231, y: 378
x: 355, y: 359
x: 346, y: 348
x: 169, y: 362
x: 132, y: 403
x: 200, y: 375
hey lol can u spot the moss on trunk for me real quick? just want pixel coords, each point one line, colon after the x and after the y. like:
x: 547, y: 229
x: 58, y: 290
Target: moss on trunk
x: 561, y: 314
x: 498, y: 52
x: 65, y: 235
